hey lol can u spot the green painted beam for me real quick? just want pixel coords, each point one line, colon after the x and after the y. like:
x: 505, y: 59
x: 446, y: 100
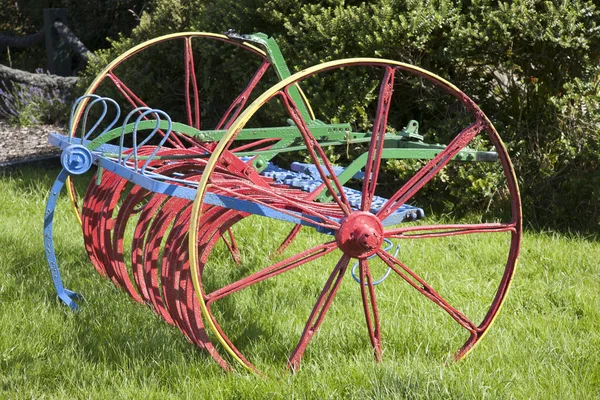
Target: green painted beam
x: 409, y: 153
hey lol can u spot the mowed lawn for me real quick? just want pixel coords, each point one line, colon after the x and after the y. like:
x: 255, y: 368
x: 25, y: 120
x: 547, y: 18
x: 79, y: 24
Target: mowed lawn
x: 544, y: 344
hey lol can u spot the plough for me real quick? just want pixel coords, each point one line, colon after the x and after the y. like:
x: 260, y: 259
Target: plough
x: 173, y: 192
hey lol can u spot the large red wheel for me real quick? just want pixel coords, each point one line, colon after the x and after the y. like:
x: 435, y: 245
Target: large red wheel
x: 193, y: 65
x: 185, y: 71
x: 355, y: 232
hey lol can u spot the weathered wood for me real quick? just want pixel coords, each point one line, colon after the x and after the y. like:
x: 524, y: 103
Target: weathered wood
x: 59, y: 53
x: 40, y: 80
x: 73, y: 41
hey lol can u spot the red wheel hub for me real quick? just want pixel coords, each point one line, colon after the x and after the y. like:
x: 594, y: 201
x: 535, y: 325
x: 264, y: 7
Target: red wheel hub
x: 360, y: 234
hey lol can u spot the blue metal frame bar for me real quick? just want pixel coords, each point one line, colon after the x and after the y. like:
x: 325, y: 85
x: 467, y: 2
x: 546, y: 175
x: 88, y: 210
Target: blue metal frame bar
x: 75, y: 148
x: 65, y: 295
x: 158, y: 183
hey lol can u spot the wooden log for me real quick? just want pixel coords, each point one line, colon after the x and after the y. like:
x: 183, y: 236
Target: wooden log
x: 39, y: 80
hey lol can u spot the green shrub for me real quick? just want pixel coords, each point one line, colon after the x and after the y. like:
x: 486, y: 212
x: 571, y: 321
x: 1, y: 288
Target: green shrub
x: 92, y: 21
x: 25, y: 105
x: 532, y: 66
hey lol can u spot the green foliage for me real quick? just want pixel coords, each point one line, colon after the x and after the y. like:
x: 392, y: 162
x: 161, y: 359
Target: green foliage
x: 25, y: 105
x: 13, y: 20
x: 538, y: 77
x: 92, y: 21
x: 532, y: 66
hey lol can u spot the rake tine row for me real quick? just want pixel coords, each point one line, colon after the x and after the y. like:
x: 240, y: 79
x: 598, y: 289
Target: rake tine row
x: 158, y: 262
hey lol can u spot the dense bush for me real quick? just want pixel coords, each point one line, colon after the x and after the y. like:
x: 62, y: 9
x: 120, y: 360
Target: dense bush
x: 25, y: 105
x: 532, y: 66
x: 92, y: 21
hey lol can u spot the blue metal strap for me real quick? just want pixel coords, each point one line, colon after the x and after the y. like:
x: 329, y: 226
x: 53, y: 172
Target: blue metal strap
x: 65, y: 295
x: 387, y: 273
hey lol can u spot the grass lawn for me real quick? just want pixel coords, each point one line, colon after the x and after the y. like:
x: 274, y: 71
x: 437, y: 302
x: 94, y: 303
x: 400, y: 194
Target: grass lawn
x: 544, y: 344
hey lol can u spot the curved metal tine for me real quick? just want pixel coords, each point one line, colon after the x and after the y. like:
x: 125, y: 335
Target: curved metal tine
x: 112, y: 123
x: 73, y: 108
x: 84, y: 136
x: 134, y: 137
x: 165, y: 136
x: 136, y: 145
x: 157, y: 113
x: 122, y: 139
x: 390, y: 245
x: 85, y: 117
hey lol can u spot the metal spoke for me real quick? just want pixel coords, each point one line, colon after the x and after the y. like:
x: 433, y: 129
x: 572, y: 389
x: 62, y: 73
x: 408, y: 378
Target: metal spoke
x: 268, y: 199
x: 424, y: 288
x: 426, y: 232
x: 232, y: 246
x: 238, y: 104
x: 255, y: 145
x: 288, y: 240
x: 425, y: 174
x: 318, y: 155
x: 377, y: 139
x: 190, y: 77
x: 367, y: 291
x: 319, y: 310
x: 136, y: 102
x: 275, y: 269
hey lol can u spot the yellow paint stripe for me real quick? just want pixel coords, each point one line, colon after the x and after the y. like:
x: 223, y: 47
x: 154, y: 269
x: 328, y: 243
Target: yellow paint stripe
x: 303, y: 95
x: 519, y: 232
x: 253, y: 47
x: 508, y: 285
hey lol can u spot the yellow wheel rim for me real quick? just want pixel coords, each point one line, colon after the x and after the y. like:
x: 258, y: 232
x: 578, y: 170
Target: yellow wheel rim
x: 241, y: 121
x: 136, y: 49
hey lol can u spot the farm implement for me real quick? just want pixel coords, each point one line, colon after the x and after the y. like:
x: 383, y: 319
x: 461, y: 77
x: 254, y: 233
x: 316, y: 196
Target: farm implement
x: 194, y: 209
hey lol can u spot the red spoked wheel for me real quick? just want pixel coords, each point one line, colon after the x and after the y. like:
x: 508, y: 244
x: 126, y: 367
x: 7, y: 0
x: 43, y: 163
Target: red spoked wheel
x: 353, y: 234
x: 194, y: 64
x: 196, y: 68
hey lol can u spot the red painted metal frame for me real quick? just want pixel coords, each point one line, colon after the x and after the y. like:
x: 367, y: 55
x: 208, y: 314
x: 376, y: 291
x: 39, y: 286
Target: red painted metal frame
x: 159, y: 262
x: 192, y: 101
x: 162, y: 277
x: 402, y: 195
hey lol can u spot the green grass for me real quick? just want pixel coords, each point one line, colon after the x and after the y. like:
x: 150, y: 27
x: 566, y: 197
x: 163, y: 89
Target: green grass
x: 544, y: 344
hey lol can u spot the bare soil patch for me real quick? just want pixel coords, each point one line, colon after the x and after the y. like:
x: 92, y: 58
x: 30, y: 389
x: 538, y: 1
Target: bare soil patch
x: 20, y: 144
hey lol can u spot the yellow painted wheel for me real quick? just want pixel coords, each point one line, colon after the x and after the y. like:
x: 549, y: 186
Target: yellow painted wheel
x: 431, y: 284
x: 178, y: 73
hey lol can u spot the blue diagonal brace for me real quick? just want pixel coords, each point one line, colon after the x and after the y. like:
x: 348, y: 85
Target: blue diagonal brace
x: 65, y: 295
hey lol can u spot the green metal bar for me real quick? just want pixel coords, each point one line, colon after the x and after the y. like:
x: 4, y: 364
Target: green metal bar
x: 281, y: 69
x: 399, y: 147
x: 150, y: 124
x: 323, y: 132
x: 326, y: 134
x: 273, y: 152
x: 422, y: 153
x: 332, y: 132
